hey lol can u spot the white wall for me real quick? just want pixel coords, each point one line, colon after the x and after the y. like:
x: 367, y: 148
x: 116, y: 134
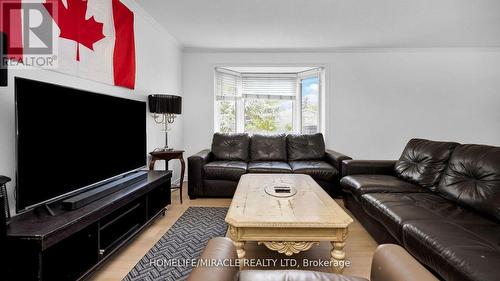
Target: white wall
x: 159, y: 69
x: 376, y: 99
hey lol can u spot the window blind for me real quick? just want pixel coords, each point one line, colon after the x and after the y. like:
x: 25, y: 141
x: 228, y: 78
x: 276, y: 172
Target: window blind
x: 269, y: 86
x: 231, y: 85
x: 227, y: 84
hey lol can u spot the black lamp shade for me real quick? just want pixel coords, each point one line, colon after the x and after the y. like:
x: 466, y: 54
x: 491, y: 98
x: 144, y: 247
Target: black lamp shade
x: 165, y: 104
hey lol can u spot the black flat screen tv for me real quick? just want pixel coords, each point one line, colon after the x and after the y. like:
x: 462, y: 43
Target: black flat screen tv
x: 69, y: 140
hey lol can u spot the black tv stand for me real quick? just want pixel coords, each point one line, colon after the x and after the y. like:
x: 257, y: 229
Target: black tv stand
x: 103, y: 190
x: 71, y: 245
x: 45, y: 208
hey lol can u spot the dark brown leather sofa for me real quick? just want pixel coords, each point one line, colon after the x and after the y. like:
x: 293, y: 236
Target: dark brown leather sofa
x: 216, y: 172
x: 440, y: 201
x: 390, y: 263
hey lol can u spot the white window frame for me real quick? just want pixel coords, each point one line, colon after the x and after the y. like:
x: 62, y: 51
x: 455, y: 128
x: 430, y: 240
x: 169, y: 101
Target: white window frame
x: 320, y: 73
x: 237, y: 109
x: 296, y: 107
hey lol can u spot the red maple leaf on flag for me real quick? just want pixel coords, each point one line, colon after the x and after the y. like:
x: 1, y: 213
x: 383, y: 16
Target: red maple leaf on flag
x: 73, y: 24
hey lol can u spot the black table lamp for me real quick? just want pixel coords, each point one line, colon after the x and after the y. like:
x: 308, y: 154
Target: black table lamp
x: 164, y: 109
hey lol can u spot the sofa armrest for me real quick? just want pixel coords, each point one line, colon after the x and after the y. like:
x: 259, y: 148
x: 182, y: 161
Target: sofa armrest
x: 335, y: 159
x: 195, y: 172
x: 393, y: 263
x: 220, y: 249
x: 204, y: 155
x: 356, y: 167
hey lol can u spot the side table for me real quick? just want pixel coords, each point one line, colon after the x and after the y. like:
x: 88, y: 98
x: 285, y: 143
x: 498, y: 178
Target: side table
x: 168, y: 155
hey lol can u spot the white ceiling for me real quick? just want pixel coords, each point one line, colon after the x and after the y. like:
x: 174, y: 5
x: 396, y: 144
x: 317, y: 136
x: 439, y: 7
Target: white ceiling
x: 327, y: 24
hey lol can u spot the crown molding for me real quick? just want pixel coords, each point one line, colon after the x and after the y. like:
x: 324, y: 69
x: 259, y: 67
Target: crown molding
x: 342, y: 50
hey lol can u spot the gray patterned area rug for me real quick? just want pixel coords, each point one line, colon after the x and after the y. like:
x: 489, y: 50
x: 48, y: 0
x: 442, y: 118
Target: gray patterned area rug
x: 185, y: 240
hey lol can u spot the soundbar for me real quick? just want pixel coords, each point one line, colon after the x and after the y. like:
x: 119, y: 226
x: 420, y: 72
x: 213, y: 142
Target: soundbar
x: 97, y: 193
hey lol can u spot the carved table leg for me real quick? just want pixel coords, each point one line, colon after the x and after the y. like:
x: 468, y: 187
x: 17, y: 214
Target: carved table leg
x: 183, y: 167
x: 240, y: 249
x: 338, y: 257
x: 152, y: 164
x: 239, y: 245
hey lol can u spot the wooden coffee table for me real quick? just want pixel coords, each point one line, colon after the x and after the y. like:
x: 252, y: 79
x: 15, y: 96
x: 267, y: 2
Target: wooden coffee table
x: 289, y: 224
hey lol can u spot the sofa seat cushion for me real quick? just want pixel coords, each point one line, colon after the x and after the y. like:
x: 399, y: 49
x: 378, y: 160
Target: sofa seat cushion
x: 319, y: 170
x: 472, y: 179
x: 393, y: 210
x: 423, y: 161
x: 225, y: 170
x: 268, y: 147
x: 459, y: 251
x: 269, y: 167
x: 361, y: 184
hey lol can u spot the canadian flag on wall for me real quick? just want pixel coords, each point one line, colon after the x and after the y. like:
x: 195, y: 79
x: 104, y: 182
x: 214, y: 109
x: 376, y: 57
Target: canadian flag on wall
x: 95, y: 39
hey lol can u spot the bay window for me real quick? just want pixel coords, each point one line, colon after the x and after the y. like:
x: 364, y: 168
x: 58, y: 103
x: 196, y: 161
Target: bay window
x: 267, y: 102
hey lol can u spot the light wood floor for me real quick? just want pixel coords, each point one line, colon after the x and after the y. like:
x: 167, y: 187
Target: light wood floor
x: 360, y: 246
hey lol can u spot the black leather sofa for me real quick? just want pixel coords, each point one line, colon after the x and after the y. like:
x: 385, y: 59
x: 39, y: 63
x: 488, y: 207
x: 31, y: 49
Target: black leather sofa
x: 216, y: 172
x: 440, y: 201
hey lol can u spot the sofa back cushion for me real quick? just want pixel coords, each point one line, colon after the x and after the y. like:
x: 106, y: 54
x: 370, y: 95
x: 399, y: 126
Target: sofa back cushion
x: 268, y: 147
x: 472, y: 178
x: 305, y: 147
x: 424, y: 161
x: 230, y: 146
